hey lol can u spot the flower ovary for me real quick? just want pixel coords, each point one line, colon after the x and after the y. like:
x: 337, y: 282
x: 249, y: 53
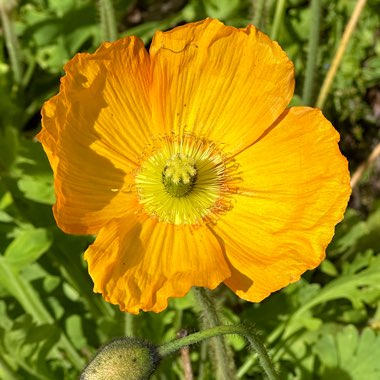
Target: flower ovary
x: 179, y: 175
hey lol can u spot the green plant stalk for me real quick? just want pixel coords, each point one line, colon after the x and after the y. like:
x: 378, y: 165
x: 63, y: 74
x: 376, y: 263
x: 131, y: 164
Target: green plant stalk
x: 202, y: 361
x: 128, y: 324
x: 350, y: 28
x: 71, y: 352
x: 29, y: 72
x: 311, y: 64
x: 278, y: 15
x: 246, y: 366
x: 6, y: 372
x: 11, y: 42
x: 223, y: 363
x: 258, y: 8
x: 29, y: 300
x: 246, y: 331
x: 107, y: 20
x: 33, y: 372
x: 26, y: 296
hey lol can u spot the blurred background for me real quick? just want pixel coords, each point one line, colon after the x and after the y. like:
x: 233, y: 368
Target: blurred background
x: 326, y: 326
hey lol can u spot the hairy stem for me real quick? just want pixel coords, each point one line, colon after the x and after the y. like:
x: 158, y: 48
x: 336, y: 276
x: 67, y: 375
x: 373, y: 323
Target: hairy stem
x: 246, y: 331
x: 223, y: 363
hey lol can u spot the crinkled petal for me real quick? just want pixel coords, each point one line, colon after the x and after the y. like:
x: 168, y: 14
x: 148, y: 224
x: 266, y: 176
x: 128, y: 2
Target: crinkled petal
x: 94, y: 131
x: 295, y: 190
x: 138, y: 263
x: 216, y: 81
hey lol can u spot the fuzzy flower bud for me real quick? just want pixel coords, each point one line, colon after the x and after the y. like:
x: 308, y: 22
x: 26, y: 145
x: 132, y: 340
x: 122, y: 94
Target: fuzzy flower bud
x: 124, y: 358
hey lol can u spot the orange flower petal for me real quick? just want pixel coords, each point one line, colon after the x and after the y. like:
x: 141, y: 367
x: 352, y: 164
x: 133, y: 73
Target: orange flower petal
x: 118, y: 107
x: 94, y: 131
x: 138, y: 263
x: 295, y: 189
x: 216, y: 81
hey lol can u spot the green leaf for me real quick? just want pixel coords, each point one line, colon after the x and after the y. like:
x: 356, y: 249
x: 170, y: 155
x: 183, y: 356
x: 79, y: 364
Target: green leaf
x: 348, y: 286
x: 348, y: 355
x: 27, y: 247
x: 221, y: 9
x: 52, y: 57
x: 348, y: 233
x: 5, y: 217
x: 21, y: 289
x: 31, y: 301
x: 352, y: 286
x: 36, y: 179
x: 8, y: 148
x: 74, y: 328
x: 38, y: 188
x: 329, y: 268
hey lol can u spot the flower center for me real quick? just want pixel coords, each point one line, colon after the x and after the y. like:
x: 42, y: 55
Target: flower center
x: 179, y: 175
x: 185, y: 180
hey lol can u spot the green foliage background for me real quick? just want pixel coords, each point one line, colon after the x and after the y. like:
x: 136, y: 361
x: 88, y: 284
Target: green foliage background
x: 326, y: 326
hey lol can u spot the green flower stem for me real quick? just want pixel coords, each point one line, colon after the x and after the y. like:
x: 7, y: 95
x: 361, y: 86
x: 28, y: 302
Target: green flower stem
x: 223, y: 363
x: 246, y: 331
x: 350, y: 28
x: 107, y: 20
x: 279, y: 13
x: 311, y: 64
x: 6, y: 9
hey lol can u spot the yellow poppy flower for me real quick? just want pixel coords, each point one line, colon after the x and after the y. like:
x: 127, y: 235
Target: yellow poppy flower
x: 189, y: 167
